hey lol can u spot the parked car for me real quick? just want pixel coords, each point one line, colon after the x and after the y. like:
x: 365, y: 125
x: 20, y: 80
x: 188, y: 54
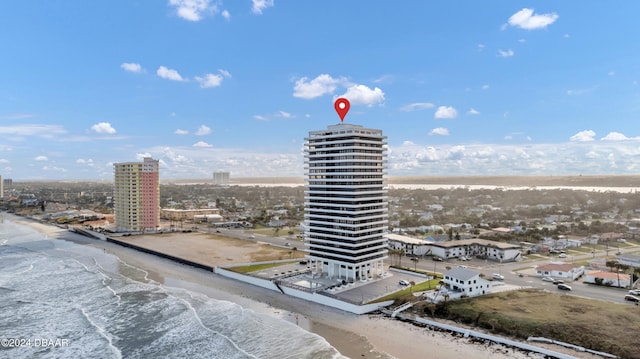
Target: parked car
x: 634, y: 292
x: 562, y: 255
x: 632, y: 298
x: 558, y: 281
x: 403, y: 282
x: 547, y: 279
x: 497, y: 276
x: 436, y: 258
x: 562, y: 286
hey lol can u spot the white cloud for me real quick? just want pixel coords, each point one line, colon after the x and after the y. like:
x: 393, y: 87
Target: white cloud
x: 17, y: 116
x: 583, y: 136
x: 617, y: 136
x: 260, y: 117
x: 322, y: 85
x: 522, y: 41
x: 481, y: 47
x: 53, y: 168
x: 169, y: 74
x: 193, y: 10
x: 141, y: 156
x: 32, y: 130
x: 202, y: 144
x: 203, y: 130
x: 181, y: 132
x: 284, y: 114
x: 260, y: 5
x: 226, y: 15
x: 363, y: 95
x: 209, y: 80
x: 224, y: 73
x: 131, y: 67
x: 612, y: 73
x: 526, y: 19
x: 473, y: 112
x: 485, y: 87
x: 88, y: 162
x: 439, y: 131
x: 507, y: 53
x: 446, y: 112
x: 41, y: 158
x: 416, y: 106
x: 104, y: 128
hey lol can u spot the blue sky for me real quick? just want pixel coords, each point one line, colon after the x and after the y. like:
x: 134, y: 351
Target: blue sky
x: 459, y: 87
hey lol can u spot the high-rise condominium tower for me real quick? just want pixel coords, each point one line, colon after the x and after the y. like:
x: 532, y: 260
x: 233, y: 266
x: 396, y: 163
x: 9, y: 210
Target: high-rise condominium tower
x: 346, y: 208
x: 137, y: 195
x: 221, y: 178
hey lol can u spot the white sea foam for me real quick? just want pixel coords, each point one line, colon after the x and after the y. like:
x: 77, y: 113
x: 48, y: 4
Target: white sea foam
x: 108, y: 308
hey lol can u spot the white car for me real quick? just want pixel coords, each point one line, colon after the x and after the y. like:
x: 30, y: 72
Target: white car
x: 547, y: 279
x: 497, y: 276
x: 634, y: 292
x: 403, y: 282
x: 562, y: 255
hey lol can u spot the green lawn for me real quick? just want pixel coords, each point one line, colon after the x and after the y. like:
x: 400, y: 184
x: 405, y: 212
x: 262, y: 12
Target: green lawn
x: 406, y: 293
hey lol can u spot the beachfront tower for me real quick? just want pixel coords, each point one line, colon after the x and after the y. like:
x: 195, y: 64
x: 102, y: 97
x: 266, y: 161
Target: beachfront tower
x: 136, y: 195
x: 345, y: 201
x: 221, y: 178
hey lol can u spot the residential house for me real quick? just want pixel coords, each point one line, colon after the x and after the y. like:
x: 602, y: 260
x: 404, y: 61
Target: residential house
x: 466, y: 282
x: 562, y: 270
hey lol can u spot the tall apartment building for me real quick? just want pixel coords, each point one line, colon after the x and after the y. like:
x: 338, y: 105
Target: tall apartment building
x: 346, y: 204
x: 1, y: 187
x: 221, y: 178
x: 136, y: 195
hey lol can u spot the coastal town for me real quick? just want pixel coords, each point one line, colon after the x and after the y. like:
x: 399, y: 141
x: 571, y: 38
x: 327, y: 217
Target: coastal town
x: 444, y: 245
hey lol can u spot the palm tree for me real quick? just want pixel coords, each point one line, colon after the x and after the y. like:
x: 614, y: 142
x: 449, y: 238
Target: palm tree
x: 415, y: 263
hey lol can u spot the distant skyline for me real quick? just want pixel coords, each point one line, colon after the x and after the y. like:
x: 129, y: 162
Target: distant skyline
x: 460, y: 88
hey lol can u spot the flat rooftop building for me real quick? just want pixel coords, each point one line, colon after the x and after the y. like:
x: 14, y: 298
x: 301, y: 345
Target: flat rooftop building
x: 137, y: 195
x: 345, y: 199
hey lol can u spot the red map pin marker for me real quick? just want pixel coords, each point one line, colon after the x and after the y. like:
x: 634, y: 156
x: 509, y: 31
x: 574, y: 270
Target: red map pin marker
x: 342, y: 107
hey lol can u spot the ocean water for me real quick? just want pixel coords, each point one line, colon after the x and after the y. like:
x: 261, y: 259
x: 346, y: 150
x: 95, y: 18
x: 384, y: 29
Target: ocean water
x: 64, y: 300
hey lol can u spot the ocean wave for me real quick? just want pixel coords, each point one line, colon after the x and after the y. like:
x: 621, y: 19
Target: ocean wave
x: 108, y: 308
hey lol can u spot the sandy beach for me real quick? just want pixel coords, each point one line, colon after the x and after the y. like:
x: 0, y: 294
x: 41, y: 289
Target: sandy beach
x: 366, y: 336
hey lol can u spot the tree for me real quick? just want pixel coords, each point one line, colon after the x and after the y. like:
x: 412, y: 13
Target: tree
x: 415, y: 263
x: 412, y: 283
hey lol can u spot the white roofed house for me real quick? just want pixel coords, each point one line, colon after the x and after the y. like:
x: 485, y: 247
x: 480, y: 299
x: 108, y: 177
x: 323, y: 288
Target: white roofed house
x: 465, y: 282
x: 560, y: 270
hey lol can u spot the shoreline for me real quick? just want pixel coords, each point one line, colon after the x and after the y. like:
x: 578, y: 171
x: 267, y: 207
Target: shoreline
x: 354, y: 336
